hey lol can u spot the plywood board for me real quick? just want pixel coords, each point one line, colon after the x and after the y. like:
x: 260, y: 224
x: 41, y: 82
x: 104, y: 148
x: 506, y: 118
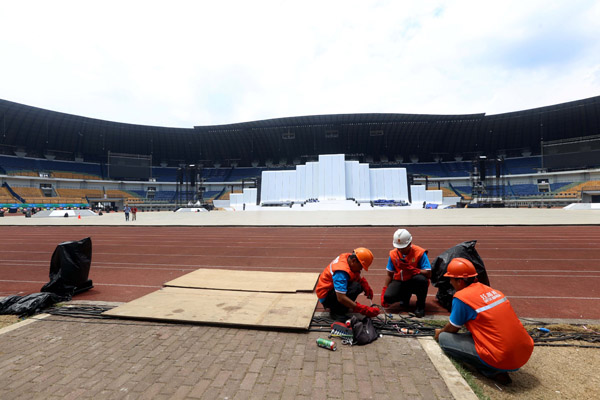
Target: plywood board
x: 237, y: 308
x: 255, y: 281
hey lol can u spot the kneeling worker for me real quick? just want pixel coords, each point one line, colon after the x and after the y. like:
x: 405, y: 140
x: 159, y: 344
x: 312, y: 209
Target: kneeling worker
x: 496, y: 342
x: 340, y: 284
x: 408, y: 273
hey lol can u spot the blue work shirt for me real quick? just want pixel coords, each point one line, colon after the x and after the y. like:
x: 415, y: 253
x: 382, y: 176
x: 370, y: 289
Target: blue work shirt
x: 461, y: 313
x: 340, y: 283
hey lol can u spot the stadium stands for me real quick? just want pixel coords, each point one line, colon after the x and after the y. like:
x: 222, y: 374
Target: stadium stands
x: 51, y: 146
x: 5, y: 196
x: 521, y: 190
x: 165, y: 196
x: 81, y: 194
x: 216, y: 174
x: 28, y: 193
x: 522, y: 165
x: 164, y: 174
x: 57, y: 169
x: 128, y: 196
x: 238, y: 174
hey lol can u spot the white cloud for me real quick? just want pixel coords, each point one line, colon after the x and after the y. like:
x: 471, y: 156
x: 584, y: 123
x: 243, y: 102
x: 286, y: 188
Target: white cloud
x: 186, y: 63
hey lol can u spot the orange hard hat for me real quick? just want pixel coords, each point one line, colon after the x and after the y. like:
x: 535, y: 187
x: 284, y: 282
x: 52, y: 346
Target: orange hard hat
x: 460, y: 268
x: 365, y: 257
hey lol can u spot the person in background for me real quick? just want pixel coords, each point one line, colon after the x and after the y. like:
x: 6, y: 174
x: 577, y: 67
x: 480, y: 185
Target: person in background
x: 408, y: 273
x: 126, y: 210
x: 341, y: 282
x: 496, y: 342
x: 133, y: 213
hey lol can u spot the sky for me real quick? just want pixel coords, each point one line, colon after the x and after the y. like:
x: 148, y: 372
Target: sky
x: 194, y: 63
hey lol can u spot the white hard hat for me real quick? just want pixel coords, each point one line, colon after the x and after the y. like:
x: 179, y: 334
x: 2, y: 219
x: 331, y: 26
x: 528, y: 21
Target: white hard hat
x: 402, y: 238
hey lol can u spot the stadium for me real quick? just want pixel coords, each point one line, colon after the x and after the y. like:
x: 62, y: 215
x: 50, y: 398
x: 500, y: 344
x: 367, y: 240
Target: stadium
x: 523, y: 185
x: 542, y: 157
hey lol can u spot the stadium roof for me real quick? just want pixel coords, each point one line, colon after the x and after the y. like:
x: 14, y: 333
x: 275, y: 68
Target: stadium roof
x: 374, y: 137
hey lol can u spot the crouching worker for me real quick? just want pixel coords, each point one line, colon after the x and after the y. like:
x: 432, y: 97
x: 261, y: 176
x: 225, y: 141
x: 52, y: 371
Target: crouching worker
x: 340, y: 284
x: 497, y: 342
x: 408, y: 272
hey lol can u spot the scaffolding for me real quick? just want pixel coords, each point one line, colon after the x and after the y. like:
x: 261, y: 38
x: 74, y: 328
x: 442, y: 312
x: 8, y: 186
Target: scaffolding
x: 488, y: 190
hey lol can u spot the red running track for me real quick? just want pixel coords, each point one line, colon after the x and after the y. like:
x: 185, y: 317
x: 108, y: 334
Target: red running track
x: 547, y: 272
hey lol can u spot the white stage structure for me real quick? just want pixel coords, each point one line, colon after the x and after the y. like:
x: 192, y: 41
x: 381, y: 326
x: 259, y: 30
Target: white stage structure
x: 333, y: 179
x: 248, y: 196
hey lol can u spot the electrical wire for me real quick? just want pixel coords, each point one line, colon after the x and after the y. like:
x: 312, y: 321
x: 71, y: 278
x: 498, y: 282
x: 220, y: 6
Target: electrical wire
x: 386, y: 326
x: 409, y: 327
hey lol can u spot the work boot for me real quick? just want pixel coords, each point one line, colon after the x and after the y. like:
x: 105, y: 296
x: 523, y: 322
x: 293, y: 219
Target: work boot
x: 339, y: 317
x: 420, y: 312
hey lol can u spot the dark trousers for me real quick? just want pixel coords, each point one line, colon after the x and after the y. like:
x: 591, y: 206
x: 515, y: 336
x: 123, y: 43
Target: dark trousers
x: 403, y: 290
x: 462, y: 347
x: 335, y: 307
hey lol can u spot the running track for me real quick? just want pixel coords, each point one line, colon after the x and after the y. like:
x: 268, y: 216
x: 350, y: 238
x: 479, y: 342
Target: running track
x: 547, y: 272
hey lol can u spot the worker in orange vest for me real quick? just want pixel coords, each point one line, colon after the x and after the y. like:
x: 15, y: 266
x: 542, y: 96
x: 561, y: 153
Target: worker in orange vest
x: 408, y: 272
x: 497, y: 342
x: 340, y: 283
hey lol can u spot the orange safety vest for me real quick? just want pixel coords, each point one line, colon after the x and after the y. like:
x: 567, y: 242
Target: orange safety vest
x: 500, y: 339
x: 325, y: 283
x: 409, y: 266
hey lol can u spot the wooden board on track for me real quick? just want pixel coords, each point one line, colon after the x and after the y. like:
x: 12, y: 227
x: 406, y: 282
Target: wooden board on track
x: 222, y: 307
x: 254, y: 281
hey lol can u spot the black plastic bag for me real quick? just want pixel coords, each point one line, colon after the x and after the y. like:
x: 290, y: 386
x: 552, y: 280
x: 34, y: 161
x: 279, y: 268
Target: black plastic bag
x: 30, y: 304
x: 439, y: 267
x: 363, y: 330
x: 69, y: 268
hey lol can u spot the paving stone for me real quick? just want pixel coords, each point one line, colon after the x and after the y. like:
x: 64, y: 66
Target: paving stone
x: 62, y: 358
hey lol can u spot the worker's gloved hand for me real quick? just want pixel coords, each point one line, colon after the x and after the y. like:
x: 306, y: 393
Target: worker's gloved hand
x: 366, y: 288
x: 383, y: 303
x: 365, y: 310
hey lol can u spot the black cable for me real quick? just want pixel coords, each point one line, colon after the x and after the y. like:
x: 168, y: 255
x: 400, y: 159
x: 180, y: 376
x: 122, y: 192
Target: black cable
x: 394, y: 327
x: 385, y: 326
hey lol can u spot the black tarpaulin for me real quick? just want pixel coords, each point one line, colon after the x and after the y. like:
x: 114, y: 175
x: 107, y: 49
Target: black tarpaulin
x: 69, y: 268
x: 28, y: 305
x: 440, y: 266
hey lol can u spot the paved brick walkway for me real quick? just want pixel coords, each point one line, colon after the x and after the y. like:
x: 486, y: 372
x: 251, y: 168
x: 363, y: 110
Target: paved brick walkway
x: 71, y: 358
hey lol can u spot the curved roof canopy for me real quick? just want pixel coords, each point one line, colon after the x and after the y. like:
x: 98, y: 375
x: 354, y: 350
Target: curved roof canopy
x: 378, y: 137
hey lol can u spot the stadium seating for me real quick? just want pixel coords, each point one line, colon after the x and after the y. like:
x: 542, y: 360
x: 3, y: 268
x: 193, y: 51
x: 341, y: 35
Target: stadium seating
x: 522, y: 165
x: 216, y: 174
x: 522, y: 190
x: 130, y: 197
x: 56, y: 169
x: 574, y: 189
x: 138, y: 193
x: 165, y: 196
x: 164, y: 174
x: 80, y: 194
x: 5, y: 196
x: 29, y: 193
x: 456, y: 168
x: 238, y: 174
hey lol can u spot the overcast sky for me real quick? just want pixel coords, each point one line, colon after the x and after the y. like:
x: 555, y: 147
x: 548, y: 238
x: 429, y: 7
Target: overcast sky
x: 186, y: 63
